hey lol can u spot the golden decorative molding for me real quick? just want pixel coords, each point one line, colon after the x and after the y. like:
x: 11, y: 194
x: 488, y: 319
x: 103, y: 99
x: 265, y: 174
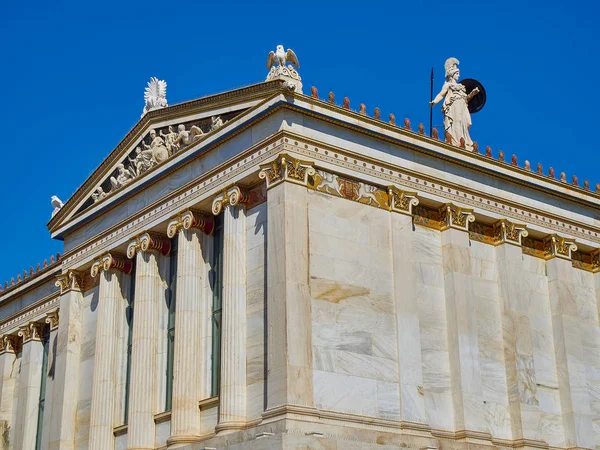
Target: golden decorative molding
x: 231, y: 196
x: 52, y: 319
x: 33, y: 331
x: 71, y: 280
x: 509, y: 232
x: 401, y: 201
x: 452, y: 216
x: 556, y: 246
x: 190, y: 219
x: 149, y: 241
x: 111, y: 261
x: 286, y: 168
x: 9, y: 343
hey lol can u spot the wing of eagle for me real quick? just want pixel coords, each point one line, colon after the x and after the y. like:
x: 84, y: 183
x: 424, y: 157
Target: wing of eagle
x: 271, y: 60
x: 291, y: 57
x: 156, y: 89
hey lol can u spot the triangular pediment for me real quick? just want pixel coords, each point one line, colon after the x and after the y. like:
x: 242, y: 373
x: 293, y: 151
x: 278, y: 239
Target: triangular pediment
x: 160, y: 136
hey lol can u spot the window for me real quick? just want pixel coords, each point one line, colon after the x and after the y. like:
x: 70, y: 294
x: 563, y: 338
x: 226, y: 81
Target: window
x: 129, y: 318
x: 217, y: 283
x: 172, y: 304
x: 42, y: 400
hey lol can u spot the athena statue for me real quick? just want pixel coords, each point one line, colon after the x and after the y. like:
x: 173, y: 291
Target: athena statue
x: 457, y: 119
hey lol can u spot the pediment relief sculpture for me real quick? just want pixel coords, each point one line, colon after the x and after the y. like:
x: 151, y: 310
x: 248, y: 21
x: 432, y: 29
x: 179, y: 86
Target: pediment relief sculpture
x: 157, y: 146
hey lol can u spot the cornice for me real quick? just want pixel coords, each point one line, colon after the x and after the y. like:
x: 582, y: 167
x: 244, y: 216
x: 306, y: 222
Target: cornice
x: 37, y: 311
x: 228, y: 98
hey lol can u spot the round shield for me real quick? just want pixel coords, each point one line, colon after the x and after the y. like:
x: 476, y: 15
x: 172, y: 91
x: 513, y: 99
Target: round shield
x: 478, y: 101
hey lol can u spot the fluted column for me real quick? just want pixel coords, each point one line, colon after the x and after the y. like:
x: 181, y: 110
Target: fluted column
x: 104, y: 385
x: 67, y: 362
x: 189, y: 360
x: 8, y: 377
x: 30, y: 379
x: 232, y: 407
x: 146, y: 248
x: 289, y: 360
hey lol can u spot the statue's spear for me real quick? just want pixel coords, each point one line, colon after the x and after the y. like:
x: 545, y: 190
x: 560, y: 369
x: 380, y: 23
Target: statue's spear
x: 430, y: 108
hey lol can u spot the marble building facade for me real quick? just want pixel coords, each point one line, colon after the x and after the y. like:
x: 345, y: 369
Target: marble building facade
x: 283, y: 272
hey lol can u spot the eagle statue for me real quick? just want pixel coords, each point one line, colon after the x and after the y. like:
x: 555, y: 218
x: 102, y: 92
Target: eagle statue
x: 281, y: 57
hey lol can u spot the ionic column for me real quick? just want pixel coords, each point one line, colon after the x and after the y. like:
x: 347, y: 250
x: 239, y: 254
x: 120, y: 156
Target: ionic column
x: 570, y: 312
x: 463, y: 345
x: 8, y: 376
x: 52, y: 319
x: 289, y: 363
x: 189, y: 360
x: 147, y: 249
x: 66, y: 374
x: 110, y: 267
x: 232, y: 402
x: 29, y: 386
x: 406, y: 300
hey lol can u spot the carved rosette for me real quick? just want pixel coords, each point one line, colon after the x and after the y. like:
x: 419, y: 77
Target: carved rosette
x: 111, y: 261
x: 191, y: 219
x: 509, y: 233
x: 232, y: 196
x: 149, y: 241
x: 33, y: 331
x: 556, y: 246
x: 286, y: 168
x: 9, y: 344
x: 52, y: 319
x: 452, y: 216
x: 69, y: 281
x: 401, y: 201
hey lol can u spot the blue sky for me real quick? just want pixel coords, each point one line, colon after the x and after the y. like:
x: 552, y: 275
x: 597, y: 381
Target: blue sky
x: 73, y: 76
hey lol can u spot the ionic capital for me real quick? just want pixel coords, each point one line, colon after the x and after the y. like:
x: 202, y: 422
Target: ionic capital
x: 556, y: 246
x: 286, y: 168
x: 52, y: 319
x: 401, y: 201
x: 33, y: 331
x: 9, y: 343
x: 596, y: 261
x: 231, y: 196
x: 149, y: 241
x: 452, y: 216
x: 69, y: 281
x: 190, y: 219
x: 111, y: 261
x: 509, y: 233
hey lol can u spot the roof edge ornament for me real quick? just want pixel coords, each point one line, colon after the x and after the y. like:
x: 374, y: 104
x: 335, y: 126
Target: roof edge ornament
x: 278, y: 70
x: 155, y: 95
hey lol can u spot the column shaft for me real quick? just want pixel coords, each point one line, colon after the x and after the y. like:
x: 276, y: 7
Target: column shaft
x: 66, y: 378
x: 29, y: 395
x: 104, y: 386
x: 144, y: 385
x: 232, y: 411
x: 8, y: 376
x: 189, y: 359
x: 290, y: 378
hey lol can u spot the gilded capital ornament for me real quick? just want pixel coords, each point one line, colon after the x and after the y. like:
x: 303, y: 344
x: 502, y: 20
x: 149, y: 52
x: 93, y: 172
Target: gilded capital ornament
x: 9, y: 343
x: 401, y: 201
x: 508, y: 232
x: 452, y: 216
x: 52, y: 319
x: 596, y: 261
x: 33, y: 331
x: 190, y: 219
x: 286, y: 168
x: 111, y: 261
x: 231, y: 196
x: 556, y: 246
x: 69, y: 281
x: 149, y: 241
